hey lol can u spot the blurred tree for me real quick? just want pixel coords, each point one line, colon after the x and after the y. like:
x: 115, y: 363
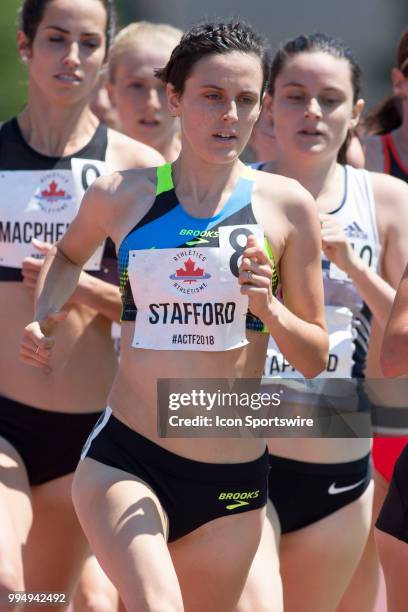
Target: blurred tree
x: 13, y: 74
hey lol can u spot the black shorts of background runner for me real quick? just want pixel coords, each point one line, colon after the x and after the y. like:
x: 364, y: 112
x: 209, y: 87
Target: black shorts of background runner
x: 49, y: 443
x: 304, y: 493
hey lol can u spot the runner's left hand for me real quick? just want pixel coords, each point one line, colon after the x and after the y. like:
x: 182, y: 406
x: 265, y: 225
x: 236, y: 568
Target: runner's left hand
x: 255, y: 278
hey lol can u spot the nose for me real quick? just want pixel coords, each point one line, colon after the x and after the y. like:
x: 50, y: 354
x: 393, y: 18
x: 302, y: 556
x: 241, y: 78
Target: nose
x: 313, y: 109
x: 230, y: 112
x: 153, y: 100
x: 72, y: 56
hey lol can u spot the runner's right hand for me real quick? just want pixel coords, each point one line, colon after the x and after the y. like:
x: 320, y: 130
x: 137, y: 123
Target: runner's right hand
x: 38, y: 342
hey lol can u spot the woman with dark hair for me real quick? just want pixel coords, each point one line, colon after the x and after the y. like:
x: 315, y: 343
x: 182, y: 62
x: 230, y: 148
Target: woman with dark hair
x: 386, y: 143
x: 322, y: 487
x: 49, y: 154
x: 154, y: 509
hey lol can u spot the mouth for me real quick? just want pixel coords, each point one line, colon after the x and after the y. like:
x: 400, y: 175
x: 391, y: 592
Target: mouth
x: 310, y: 132
x: 150, y: 123
x: 225, y: 136
x: 68, y: 77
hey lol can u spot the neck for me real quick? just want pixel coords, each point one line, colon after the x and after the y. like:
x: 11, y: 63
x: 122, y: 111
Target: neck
x: 203, y: 186
x: 56, y: 130
x: 171, y: 148
x: 316, y: 175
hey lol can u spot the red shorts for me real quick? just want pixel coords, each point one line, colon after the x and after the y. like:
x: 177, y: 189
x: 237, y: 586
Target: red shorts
x: 386, y: 452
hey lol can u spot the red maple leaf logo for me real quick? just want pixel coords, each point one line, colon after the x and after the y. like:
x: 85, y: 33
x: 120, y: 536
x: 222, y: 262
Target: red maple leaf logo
x: 52, y: 191
x: 189, y: 269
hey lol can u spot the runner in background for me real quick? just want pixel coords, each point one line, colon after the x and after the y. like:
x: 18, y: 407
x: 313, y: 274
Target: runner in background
x: 138, y: 96
x: 154, y: 508
x: 49, y: 154
x: 320, y: 487
x: 386, y: 150
x: 391, y: 532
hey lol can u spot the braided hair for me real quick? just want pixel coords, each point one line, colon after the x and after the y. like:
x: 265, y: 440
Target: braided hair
x: 208, y: 39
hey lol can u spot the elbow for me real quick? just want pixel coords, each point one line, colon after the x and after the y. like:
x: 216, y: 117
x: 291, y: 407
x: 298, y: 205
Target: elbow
x: 391, y: 360
x: 318, y: 361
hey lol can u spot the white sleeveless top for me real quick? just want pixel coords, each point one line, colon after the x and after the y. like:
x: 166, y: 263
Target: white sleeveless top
x: 348, y: 317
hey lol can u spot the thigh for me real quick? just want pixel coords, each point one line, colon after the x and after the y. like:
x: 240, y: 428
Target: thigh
x: 361, y: 593
x: 15, y: 516
x: 394, y: 560
x: 126, y: 526
x: 57, y: 546
x: 213, y: 561
x: 318, y: 561
x: 263, y: 588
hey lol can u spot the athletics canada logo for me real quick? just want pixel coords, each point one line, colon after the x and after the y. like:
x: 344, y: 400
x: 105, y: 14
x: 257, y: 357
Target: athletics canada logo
x: 190, y: 273
x: 52, y: 193
x: 191, y: 276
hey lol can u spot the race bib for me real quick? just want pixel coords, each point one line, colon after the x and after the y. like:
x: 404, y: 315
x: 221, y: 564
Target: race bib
x: 367, y: 251
x: 189, y: 298
x: 341, y: 336
x: 41, y: 204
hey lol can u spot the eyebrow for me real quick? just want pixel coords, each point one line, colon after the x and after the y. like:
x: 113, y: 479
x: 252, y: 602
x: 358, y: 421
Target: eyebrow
x: 245, y: 91
x: 295, y: 84
x: 63, y: 31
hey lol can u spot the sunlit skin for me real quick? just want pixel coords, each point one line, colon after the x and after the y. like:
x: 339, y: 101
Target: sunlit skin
x: 67, y: 52
x: 223, y: 99
x: 314, y: 101
x: 140, y: 99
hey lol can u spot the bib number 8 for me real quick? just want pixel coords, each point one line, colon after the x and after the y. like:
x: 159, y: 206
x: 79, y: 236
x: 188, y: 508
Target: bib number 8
x: 238, y: 249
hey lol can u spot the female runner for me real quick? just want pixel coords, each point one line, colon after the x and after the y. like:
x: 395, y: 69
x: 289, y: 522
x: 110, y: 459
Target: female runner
x: 138, y: 96
x: 48, y: 155
x: 321, y: 487
x: 133, y: 490
x: 391, y: 532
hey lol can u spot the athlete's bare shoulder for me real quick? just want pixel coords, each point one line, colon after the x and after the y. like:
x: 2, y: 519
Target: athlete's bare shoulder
x: 115, y: 197
x: 276, y: 192
x: 124, y: 152
x: 283, y: 208
x: 374, y: 156
x: 390, y: 193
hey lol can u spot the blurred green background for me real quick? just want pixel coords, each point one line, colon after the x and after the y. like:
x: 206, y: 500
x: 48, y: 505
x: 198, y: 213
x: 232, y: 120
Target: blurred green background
x: 370, y: 27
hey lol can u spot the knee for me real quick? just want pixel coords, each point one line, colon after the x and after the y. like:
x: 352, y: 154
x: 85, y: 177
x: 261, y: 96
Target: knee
x: 94, y: 602
x: 11, y: 580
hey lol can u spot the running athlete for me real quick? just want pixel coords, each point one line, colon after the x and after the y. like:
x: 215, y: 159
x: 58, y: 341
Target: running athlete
x: 139, y: 97
x: 154, y: 508
x: 48, y: 155
x: 322, y: 487
x: 386, y: 151
x: 391, y: 532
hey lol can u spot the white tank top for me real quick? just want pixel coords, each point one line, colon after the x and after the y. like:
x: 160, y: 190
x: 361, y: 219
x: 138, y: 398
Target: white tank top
x: 347, y: 316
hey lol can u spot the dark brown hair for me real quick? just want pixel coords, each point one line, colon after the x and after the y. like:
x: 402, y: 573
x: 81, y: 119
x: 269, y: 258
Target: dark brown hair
x: 31, y: 13
x: 209, y: 39
x: 387, y: 115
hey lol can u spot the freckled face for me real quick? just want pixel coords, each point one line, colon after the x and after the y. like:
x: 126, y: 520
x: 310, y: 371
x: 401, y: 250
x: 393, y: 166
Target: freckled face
x: 220, y: 105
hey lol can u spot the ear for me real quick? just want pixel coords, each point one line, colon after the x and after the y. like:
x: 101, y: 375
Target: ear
x: 398, y: 80
x: 356, y: 113
x: 268, y: 105
x: 110, y: 88
x: 23, y: 46
x: 173, y: 100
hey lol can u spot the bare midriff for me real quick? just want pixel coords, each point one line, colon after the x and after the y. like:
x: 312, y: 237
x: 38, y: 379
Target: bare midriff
x: 133, y: 398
